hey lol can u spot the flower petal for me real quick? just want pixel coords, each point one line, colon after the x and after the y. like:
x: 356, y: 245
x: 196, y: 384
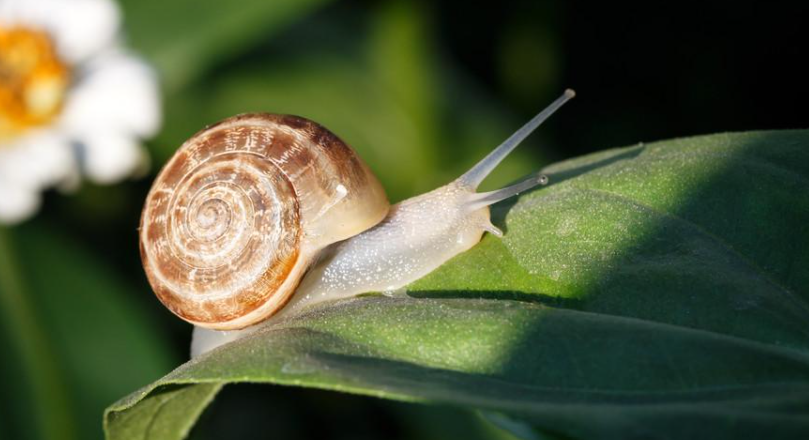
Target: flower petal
x: 80, y: 28
x: 17, y: 203
x: 109, y: 155
x: 37, y: 160
x: 118, y: 92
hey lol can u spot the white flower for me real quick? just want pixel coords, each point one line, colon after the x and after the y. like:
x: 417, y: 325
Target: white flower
x: 73, y: 101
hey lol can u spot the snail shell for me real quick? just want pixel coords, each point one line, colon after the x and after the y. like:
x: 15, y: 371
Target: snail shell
x: 241, y: 211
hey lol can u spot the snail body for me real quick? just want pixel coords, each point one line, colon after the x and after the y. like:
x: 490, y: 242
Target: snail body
x: 386, y: 252
x: 394, y: 252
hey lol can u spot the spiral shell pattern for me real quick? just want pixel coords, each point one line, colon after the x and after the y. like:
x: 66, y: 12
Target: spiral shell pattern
x: 237, y: 215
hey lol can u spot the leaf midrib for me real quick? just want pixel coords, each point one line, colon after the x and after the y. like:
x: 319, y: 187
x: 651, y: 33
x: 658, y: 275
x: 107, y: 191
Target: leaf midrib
x: 293, y: 323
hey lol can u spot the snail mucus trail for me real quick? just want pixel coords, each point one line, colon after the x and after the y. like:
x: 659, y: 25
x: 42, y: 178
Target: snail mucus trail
x: 321, y: 224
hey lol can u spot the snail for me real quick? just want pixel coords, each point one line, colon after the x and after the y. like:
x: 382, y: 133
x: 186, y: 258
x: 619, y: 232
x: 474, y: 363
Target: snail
x: 260, y: 215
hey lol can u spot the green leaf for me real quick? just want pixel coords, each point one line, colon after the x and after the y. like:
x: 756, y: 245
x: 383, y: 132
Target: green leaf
x: 183, y: 38
x: 651, y: 291
x: 72, y: 326
x: 169, y: 413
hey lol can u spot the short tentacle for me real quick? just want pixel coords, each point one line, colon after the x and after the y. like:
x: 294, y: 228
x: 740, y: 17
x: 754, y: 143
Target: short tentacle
x: 492, y: 229
x: 480, y: 200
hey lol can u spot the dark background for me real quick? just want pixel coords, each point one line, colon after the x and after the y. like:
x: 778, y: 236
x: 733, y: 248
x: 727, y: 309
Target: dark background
x: 443, y: 82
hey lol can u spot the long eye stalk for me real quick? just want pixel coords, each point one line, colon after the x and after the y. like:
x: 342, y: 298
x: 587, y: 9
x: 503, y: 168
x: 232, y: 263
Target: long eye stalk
x: 475, y: 176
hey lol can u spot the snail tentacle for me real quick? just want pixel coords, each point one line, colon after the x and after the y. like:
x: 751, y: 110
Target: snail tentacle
x: 477, y: 173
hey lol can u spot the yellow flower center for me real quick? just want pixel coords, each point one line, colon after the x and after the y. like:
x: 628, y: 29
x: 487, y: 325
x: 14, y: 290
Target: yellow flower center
x: 33, y: 80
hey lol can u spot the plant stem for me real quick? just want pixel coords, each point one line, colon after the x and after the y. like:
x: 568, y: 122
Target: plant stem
x: 49, y: 395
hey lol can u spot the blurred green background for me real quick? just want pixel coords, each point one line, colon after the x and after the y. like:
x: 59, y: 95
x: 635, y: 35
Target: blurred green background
x: 422, y: 90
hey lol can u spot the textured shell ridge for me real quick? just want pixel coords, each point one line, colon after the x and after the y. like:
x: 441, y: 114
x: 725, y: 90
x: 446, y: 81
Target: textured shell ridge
x: 235, y: 217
